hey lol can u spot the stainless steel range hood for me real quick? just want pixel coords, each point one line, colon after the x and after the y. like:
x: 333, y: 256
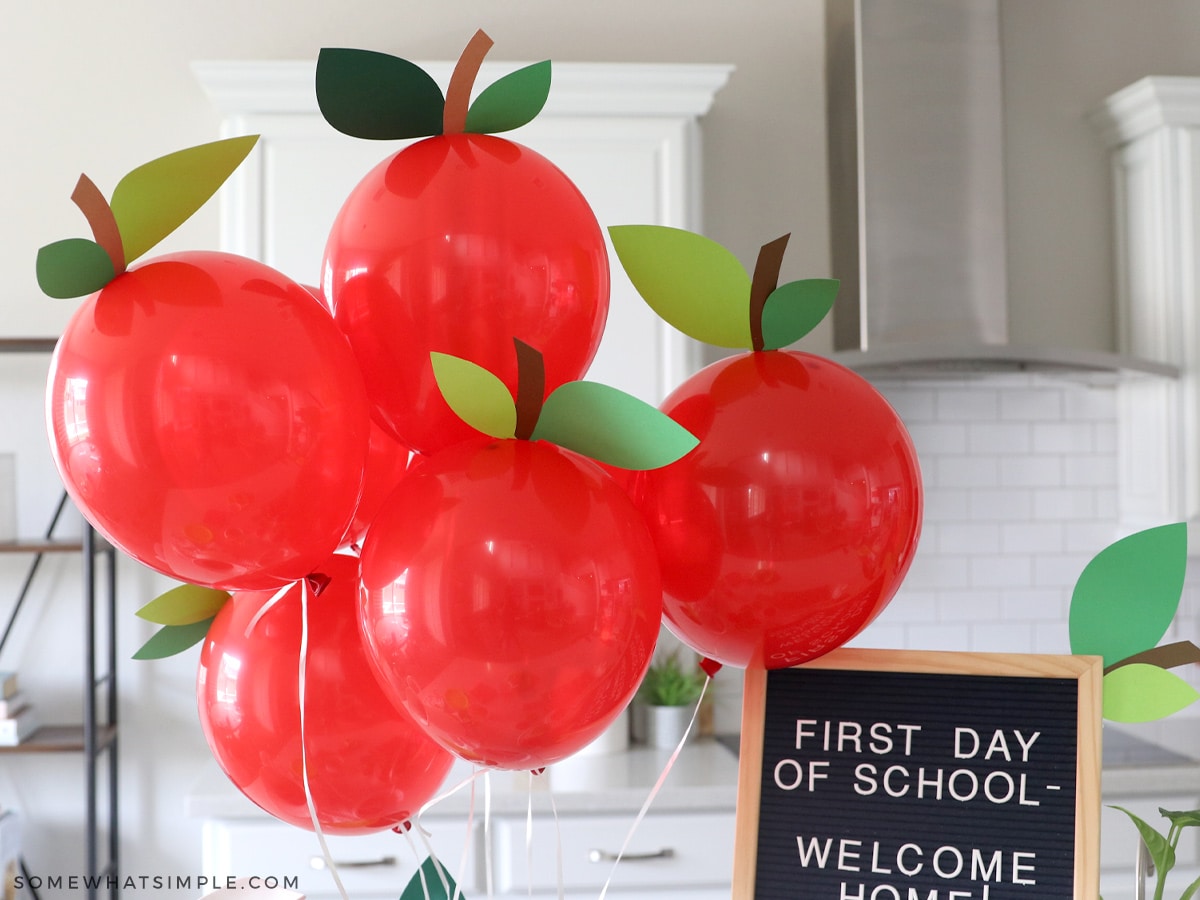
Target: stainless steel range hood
x: 916, y: 139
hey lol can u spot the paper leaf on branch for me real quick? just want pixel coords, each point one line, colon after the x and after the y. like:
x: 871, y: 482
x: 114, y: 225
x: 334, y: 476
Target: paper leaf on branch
x: 432, y: 882
x: 1128, y: 594
x: 477, y: 396
x: 1144, y: 693
x: 692, y: 283
x: 72, y: 268
x: 511, y: 101
x: 796, y: 308
x: 184, y: 605
x: 172, y: 639
x: 156, y: 198
x: 377, y: 96
x: 611, y: 426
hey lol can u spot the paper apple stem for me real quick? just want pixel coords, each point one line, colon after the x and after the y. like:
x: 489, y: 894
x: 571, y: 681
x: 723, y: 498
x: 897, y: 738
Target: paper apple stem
x: 531, y: 388
x: 100, y: 218
x: 1168, y: 656
x: 764, y: 282
x: 462, y: 80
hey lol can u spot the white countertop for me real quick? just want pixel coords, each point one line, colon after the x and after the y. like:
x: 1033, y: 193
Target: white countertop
x: 703, y: 777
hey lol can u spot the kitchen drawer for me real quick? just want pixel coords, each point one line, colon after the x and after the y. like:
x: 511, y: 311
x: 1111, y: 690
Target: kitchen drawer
x: 370, y: 866
x: 677, y: 851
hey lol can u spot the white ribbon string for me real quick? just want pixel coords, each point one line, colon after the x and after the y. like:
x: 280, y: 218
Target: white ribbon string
x: 487, y: 830
x: 308, y: 798
x: 558, y: 845
x: 412, y: 845
x: 529, y: 837
x: 657, y: 787
x: 462, y: 865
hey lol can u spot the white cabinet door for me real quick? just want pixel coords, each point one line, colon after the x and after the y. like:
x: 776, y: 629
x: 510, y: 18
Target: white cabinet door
x: 627, y: 135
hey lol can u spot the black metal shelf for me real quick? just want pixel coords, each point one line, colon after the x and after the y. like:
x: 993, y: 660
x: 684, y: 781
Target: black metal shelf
x: 96, y: 736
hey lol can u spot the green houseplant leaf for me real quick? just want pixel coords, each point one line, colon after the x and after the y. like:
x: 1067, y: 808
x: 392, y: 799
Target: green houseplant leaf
x: 1142, y: 693
x: 156, y: 198
x: 477, y: 396
x: 510, y: 101
x: 794, y: 309
x: 184, y: 605
x: 377, y: 96
x: 431, y: 882
x: 1127, y: 595
x: 690, y: 281
x: 611, y: 426
x: 72, y: 268
x: 1160, y: 850
x: 172, y: 639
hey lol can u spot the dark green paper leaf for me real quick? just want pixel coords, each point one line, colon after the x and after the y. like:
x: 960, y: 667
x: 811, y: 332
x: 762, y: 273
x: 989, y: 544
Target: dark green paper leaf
x: 377, y: 96
x: 73, y: 268
x: 692, y: 283
x: 172, y: 639
x: 184, y: 605
x: 1160, y: 851
x: 477, y: 396
x: 796, y: 308
x: 611, y: 426
x: 1127, y: 595
x: 438, y: 884
x: 156, y: 198
x: 510, y: 101
x: 1143, y: 693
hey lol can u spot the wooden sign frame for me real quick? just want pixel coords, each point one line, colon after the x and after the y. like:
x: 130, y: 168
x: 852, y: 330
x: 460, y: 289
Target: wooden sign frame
x: 1087, y: 671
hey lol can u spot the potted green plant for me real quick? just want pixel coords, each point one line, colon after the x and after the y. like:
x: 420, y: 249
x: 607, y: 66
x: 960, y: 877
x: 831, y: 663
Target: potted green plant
x: 667, y: 699
x: 1161, y: 848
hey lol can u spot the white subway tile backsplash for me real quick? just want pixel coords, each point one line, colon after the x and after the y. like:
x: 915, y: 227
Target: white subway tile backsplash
x: 968, y: 404
x: 999, y: 437
x: 1031, y: 405
x: 1033, y: 537
x: 1001, y: 572
x: 1064, y: 504
x: 1002, y: 505
x: 1031, y: 471
x: 968, y: 538
x: 939, y: 637
x: 1002, y: 637
x: 1064, y: 437
x: 966, y: 471
x: 938, y: 438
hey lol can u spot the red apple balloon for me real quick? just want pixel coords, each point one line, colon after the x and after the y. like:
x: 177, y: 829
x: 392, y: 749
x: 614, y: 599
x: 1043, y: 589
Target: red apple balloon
x: 369, y: 766
x: 512, y: 600
x: 794, y: 522
x: 456, y: 244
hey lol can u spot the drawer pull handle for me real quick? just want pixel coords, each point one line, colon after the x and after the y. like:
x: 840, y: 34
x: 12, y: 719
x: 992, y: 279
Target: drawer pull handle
x: 318, y: 862
x: 598, y: 856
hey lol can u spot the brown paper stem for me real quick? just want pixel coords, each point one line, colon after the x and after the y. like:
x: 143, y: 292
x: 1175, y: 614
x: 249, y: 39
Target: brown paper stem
x: 765, y: 280
x: 100, y: 217
x: 531, y: 388
x: 1168, y: 656
x: 462, y: 80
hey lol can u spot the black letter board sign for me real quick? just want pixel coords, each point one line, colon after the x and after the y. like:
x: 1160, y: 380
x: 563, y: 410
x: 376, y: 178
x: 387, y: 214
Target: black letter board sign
x: 892, y: 775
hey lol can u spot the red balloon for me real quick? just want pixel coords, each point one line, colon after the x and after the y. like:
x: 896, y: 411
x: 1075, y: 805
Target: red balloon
x: 387, y: 461
x: 370, y: 767
x: 792, y: 524
x: 208, y: 418
x: 511, y: 600
x: 458, y: 244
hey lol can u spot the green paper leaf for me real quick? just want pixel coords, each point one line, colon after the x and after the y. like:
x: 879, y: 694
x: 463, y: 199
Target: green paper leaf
x: 156, y: 198
x: 184, y: 605
x: 1127, y: 596
x: 794, y: 309
x: 611, y: 426
x: 172, y: 639
x: 510, y: 101
x: 377, y: 96
x: 73, y: 268
x: 477, y: 396
x: 691, y: 282
x: 1142, y: 693
x: 432, y: 881
x: 1160, y: 851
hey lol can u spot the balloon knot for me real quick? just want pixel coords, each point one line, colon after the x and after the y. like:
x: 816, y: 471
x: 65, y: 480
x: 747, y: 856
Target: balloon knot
x: 317, y: 582
x: 403, y: 827
x: 710, y: 666
x: 538, y: 771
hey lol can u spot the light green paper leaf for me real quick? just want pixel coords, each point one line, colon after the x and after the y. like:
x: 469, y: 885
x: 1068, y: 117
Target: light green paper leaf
x: 172, y: 639
x: 690, y: 281
x: 611, y: 426
x: 1127, y: 595
x: 377, y: 96
x: 156, y: 198
x: 432, y: 882
x: 796, y: 308
x: 510, y: 101
x: 477, y: 396
x: 1160, y: 851
x: 73, y: 268
x: 1142, y: 693
x: 184, y: 605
